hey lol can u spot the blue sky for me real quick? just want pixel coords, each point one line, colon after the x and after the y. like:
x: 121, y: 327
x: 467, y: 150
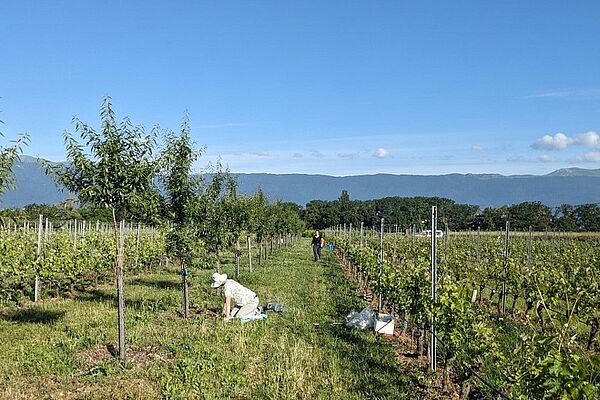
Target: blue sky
x: 338, y: 88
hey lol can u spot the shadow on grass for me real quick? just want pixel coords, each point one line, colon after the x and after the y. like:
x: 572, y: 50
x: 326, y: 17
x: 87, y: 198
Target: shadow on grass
x: 33, y: 315
x: 131, y: 302
x: 96, y: 295
x: 371, y: 360
x: 154, y: 283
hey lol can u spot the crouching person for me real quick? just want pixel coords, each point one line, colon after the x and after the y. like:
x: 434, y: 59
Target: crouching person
x: 239, y: 300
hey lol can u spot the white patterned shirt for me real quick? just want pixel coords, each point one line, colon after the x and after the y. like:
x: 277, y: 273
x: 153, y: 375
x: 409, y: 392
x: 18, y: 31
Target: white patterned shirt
x: 241, y: 295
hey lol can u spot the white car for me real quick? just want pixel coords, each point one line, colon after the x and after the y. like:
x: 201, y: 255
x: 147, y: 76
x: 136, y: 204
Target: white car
x: 427, y: 233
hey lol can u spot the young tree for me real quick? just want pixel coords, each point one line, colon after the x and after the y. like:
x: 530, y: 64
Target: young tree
x: 234, y: 212
x: 286, y: 219
x: 258, y: 218
x: 8, y: 156
x: 182, y: 194
x: 117, y: 174
x: 347, y: 209
x: 212, y: 229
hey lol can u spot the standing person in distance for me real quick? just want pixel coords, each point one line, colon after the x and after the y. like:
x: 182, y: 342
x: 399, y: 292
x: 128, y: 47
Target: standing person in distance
x: 317, y: 244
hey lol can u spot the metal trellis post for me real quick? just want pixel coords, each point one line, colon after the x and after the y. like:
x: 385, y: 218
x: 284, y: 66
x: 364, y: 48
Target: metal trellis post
x: 432, y: 347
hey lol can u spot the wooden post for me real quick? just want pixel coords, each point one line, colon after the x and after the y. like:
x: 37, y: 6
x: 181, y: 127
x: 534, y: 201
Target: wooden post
x: 120, y: 290
x: 249, y: 253
x: 75, y: 234
x: 506, y: 250
x: 381, y: 253
x: 137, y: 245
x: 362, y: 233
x: 186, y: 296
x: 529, y: 237
x: 36, y: 288
x: 237, y: 258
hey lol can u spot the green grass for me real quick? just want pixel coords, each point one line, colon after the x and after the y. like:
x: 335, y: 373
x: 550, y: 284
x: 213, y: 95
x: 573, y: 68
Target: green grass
x: 43, y: 348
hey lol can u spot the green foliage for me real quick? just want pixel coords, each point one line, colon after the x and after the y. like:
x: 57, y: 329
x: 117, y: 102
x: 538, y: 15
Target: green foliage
x: 119, y: 170
x: 284, y: 219
x: 54, y: 347
x: 519, y: 353
x: 404, y: 212
x: 549, y: 371
x: 67, y: 267
x: 213, y: 229
x: 233, y: 212
x: 58, y: 213
x: 8, y: 155
x: 258, y: 215
x: 182, y: 191
x: 407, y: 212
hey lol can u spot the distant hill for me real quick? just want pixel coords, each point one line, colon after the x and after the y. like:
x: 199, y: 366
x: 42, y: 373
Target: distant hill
x: 484, y: 190
x: 571, y: 186
x: 32, y: 186
x: 575, y: 172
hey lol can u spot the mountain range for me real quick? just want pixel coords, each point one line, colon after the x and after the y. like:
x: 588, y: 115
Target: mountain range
x: 564, y: 186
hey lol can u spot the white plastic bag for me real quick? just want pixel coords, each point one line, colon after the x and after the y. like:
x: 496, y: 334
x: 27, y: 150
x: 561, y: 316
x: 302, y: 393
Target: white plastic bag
x: 362, y: 320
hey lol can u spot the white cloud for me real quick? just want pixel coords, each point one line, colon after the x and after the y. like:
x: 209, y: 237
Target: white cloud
x: 594, y: 157
x: 517, y: 158
x: 225, y: 125
x: 546, y: 158
x: 381, y: 153
x: 317, y: 154
x: 476, y: 148
x: 559, y: 141
x: 261, y: 154
x: 588, y: 139
x: 568, y: 93
x: 350, y: 156
x: 297, y: 155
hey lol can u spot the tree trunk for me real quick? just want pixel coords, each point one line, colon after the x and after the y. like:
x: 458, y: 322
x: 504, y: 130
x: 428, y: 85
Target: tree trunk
x: 465, y: 389
x: 237, y: 258
x: 446, y: 374
x: 184, y: 285
x: 260, y: 250
x: 593, y: 332
x: 501, y: 295
x: 249, y: 253
x: 416, y: 337
x: 529, y: 307
x: 514, y: 303
x: 120, y: 242
x: 481, y: 287
x: 540, y: 313
x: 421, y: 343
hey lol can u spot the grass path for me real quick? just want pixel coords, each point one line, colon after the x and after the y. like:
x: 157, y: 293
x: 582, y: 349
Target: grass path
x: 58, y: 349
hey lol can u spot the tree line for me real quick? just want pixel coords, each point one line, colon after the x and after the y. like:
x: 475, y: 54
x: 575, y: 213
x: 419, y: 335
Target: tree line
x: 409, y: 212
x: 402, y: 211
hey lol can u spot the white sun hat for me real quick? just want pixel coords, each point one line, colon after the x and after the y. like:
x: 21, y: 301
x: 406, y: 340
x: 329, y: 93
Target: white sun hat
x: 218, y: 279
